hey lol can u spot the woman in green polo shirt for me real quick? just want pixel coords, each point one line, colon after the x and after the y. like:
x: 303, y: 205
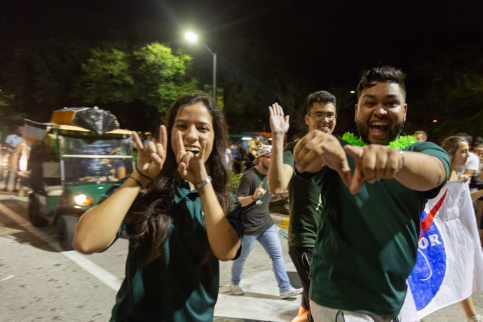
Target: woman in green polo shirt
x: 180, y: 222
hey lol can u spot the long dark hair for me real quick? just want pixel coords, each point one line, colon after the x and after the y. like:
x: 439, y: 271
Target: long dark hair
x: 150, y: 216
x: 451, y: 145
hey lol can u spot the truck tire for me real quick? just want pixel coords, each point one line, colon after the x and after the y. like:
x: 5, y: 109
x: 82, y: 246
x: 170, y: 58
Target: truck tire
x: 65, y: 230
x: 34, y: 212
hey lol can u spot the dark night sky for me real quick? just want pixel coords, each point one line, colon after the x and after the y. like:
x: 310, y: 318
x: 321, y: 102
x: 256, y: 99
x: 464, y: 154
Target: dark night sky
x: 321, y: 41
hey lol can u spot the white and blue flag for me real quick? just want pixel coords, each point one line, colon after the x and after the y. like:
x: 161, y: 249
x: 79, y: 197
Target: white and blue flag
x: 449, y: 266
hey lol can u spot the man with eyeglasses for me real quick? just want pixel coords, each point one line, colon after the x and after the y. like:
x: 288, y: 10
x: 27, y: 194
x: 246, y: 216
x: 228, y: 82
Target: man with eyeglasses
x: 373, y: 196
x: 304, y: 188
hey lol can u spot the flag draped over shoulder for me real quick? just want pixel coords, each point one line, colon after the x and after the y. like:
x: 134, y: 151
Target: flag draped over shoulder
x: 449, y: 266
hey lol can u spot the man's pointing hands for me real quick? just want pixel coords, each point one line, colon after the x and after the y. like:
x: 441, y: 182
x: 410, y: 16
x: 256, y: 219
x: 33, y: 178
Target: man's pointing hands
x: 373, y: 162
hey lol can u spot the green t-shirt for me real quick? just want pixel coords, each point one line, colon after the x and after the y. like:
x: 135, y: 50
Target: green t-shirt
x: 176, y: 286
x: 367, y: 243
x: 305, y: 203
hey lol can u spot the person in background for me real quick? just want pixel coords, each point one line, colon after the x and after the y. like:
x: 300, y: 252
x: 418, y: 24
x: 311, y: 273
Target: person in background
x: 12, y: 141
x: 238, y: 154
x: 458, y: 151
x: 254, y: 197
x: 421, y: 136
x: 304, y: 188
x: 233, y: 157
x: 179, y: 220
x: 259, y: 142
x: 228, y: 157
x: 148, y: 138
x: 472, y: 165
x: 477, y: 183
x: 250, y: 158
x: 252, y: 145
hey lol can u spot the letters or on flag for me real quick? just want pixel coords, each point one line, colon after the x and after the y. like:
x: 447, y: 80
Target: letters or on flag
x: 449, y: 266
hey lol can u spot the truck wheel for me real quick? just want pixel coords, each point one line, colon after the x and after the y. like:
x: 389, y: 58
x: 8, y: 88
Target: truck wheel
x: 65, y: 230
x: 34, y: 212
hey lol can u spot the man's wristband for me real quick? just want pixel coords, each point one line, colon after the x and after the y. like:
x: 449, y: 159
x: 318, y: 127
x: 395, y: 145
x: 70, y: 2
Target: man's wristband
x: 401, y: 163
x: 203, y: 183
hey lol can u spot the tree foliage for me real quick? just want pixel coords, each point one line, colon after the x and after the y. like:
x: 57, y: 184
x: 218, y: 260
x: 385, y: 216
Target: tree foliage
x: 105, y: 77
x: 151, y: 75
x: 8, y: 115
x: 40, y: 75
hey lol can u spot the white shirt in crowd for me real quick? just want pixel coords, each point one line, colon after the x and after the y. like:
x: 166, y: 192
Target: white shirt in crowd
x: 227, y: 157
x: 13, y: 140
x: 473, y: 163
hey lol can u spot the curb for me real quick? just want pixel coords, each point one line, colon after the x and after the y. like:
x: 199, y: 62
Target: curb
x: 280, y: 220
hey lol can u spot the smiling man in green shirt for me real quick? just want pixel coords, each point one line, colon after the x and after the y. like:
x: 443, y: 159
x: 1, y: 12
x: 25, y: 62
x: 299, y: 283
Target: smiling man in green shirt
x: 373, y: 196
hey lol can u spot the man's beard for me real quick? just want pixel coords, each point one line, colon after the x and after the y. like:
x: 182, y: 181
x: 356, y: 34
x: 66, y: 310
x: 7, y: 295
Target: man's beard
x: 363, y: 133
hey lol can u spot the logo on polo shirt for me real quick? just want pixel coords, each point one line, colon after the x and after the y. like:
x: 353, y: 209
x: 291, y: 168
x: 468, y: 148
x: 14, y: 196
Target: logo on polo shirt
x: 430, y: 269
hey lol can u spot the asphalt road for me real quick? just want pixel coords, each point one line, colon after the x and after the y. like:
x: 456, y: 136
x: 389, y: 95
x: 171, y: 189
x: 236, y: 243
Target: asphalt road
x: 40, y: 282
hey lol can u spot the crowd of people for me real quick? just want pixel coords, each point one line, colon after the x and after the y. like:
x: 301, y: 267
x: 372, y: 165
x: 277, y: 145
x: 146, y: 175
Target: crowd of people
x: 355, y: 207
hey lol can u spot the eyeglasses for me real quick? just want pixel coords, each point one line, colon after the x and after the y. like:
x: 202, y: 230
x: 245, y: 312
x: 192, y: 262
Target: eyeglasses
x: 320, y: 115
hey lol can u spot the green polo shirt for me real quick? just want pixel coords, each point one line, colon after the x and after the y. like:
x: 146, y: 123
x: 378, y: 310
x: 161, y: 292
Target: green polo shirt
x: 176, y: 286
x: 305, y: 202
x: 367, y: 243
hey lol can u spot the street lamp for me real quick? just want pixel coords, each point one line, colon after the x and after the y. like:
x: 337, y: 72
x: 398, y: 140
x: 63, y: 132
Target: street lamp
x: 192, y: 37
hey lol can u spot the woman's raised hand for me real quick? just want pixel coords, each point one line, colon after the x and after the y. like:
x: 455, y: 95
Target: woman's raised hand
x: 191, y: 166
x: 152, y: 156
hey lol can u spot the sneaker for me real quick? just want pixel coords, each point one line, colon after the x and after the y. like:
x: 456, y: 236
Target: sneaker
x: 476, y: 318
x: 291, y: 292
x: 236, y: 290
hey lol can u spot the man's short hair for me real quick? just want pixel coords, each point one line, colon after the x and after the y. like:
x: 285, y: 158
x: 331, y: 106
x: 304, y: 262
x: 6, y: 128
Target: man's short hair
x: 322, y: 97
x: 384, y: 74
x: 423, y: 133
x: 467, y: 137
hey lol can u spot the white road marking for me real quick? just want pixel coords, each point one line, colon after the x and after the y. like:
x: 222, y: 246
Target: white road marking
x: 98, y: 272
x: 7, y: 278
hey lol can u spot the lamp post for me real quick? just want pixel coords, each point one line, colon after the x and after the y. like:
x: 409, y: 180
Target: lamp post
x: 193, y: 38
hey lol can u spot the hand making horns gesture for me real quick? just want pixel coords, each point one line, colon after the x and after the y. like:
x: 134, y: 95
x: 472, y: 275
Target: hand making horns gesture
x: 151, y: 157
x: 191, y: 166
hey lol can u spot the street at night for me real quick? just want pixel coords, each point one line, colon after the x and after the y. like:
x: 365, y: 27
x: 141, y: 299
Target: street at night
x: 197, y: 161
x: 40, y: 282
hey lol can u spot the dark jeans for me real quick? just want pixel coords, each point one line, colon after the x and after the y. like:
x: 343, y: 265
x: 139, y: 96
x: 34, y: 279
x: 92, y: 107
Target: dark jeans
x: 301, y: 257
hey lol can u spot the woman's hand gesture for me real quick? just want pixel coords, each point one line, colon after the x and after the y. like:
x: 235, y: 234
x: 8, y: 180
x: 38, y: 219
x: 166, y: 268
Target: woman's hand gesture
x: 151, y: 157
x: 191, y: 167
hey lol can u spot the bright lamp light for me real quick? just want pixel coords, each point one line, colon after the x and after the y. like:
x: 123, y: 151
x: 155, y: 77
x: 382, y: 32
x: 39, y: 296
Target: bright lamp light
x: 83, y: 200
x: 191, y: 36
